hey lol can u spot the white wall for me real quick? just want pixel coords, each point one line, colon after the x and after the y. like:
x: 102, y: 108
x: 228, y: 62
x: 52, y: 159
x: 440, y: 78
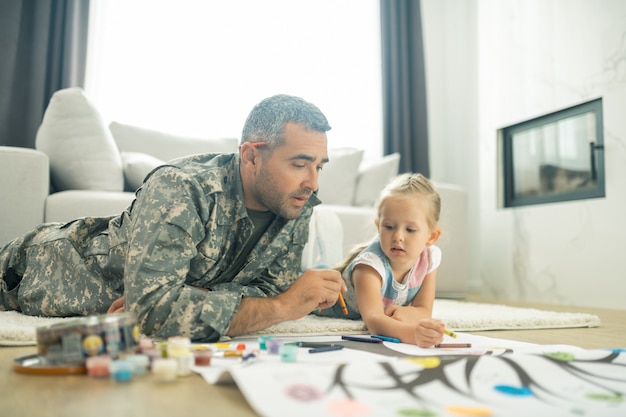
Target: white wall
x: 491, y: 63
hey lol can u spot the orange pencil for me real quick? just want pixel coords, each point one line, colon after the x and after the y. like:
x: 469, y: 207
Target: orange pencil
x: 343, y: 304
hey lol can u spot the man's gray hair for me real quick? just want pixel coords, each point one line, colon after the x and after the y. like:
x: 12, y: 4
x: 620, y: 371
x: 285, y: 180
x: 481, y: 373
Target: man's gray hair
x: 266, y: 122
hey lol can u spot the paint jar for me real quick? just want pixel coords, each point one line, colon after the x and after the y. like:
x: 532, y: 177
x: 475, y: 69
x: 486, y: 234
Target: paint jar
x: 139, y: 363
x: 145, y: 344
x: 288, y: 353
x: 164, y: 369
x: 273, y: 346
x: 179, y: 348
x: 121, y: 370
x: 222, y: 345
x: 202, y: 356
x: 98, y: 366
x: 263, y: 341
x: 153, y: 354
x: 72, y: 342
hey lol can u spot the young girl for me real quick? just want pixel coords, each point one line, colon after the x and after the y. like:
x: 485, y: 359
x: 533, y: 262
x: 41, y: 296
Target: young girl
x: 394, y: 276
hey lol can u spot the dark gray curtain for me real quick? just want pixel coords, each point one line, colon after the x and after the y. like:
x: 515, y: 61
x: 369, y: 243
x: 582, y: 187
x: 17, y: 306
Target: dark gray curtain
x: 405, y: 123
x: 43, y: 46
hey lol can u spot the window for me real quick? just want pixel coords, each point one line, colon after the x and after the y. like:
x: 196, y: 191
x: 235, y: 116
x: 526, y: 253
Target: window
x: 196, y: 67
x: 555, y: 157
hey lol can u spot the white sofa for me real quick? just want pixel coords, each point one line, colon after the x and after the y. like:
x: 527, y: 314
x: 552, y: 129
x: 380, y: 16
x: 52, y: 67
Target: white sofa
x: 84, y: 167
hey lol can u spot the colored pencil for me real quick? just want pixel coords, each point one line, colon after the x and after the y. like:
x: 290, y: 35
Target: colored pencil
x: 453, y: 345
x: 450, y: 333
x: 343, y: 304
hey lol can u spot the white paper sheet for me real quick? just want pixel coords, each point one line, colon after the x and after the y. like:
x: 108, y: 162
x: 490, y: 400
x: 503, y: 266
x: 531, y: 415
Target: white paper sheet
x: 510, y: 379
x: 480, y: 345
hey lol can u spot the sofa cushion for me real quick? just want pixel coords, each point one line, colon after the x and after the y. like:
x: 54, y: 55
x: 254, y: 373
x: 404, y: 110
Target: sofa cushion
x: 82, y: 152
x: 68, y: 205
x: 24, y: 185
x: 166, y: 146
x: 324, y: 249
x: 373, y: 178
x: 337, y: 181
x: 136, y: 166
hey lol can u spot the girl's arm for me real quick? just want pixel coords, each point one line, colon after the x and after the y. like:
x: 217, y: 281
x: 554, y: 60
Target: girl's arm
x: 422, y: 305
x: 368, y: 284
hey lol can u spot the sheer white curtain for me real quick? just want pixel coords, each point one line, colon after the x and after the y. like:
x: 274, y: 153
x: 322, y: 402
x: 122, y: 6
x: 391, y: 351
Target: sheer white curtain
x: 197, y: 67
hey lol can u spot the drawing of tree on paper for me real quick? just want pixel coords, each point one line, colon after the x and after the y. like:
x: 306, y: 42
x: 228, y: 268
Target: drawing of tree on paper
x: 590, y: 383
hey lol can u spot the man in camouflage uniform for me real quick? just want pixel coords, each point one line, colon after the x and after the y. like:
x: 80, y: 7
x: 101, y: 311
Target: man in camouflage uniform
x: 210, y: 246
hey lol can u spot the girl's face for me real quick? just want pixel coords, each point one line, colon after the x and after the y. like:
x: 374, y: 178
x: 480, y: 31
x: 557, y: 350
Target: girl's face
x: 404, y: 231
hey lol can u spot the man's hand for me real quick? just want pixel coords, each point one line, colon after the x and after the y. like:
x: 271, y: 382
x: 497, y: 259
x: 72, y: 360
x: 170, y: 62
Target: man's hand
x: 316, y: 288
x: 117, y: 306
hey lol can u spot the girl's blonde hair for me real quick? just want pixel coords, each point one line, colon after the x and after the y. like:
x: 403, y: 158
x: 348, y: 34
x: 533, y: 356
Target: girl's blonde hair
x: 411, y: 184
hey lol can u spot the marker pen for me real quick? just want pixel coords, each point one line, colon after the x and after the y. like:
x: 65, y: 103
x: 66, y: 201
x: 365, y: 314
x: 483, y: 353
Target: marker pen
x: 365, y: 339
x: 386, y: 338
x: 325, y: 349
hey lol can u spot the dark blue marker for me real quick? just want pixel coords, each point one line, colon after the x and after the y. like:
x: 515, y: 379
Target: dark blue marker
x: 325, y: 349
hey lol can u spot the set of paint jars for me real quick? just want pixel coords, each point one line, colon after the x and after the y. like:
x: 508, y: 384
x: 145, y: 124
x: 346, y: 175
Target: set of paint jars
x: 167, y: 360
x: 118, y: 369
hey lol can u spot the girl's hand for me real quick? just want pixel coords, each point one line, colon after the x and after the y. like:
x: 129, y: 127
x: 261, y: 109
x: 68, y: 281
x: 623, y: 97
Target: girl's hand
x: 429, y: 332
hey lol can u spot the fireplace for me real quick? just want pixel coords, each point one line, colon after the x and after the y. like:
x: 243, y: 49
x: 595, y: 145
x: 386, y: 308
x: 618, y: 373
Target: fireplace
x: 553, y: 158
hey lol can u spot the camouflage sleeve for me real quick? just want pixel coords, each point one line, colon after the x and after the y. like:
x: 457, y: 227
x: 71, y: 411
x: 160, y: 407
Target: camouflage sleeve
x: 168, y: 221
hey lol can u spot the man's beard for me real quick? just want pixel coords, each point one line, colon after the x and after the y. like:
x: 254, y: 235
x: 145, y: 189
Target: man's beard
x: 268, y: 194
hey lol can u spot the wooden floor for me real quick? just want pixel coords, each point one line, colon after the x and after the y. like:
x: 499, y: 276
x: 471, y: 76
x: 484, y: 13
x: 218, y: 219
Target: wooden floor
x: 73, y: 395
x: 610, y: 334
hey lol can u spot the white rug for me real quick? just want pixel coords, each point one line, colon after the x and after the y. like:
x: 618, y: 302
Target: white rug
x: 19, y: 330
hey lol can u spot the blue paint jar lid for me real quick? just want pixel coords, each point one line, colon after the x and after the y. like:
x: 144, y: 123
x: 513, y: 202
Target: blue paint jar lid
x: 121, y: 370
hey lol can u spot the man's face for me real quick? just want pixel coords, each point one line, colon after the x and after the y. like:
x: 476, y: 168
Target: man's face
x: 288, y: 176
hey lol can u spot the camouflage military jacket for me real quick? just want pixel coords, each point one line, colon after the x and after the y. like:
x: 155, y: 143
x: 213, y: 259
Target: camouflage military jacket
x: 185, y: 228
